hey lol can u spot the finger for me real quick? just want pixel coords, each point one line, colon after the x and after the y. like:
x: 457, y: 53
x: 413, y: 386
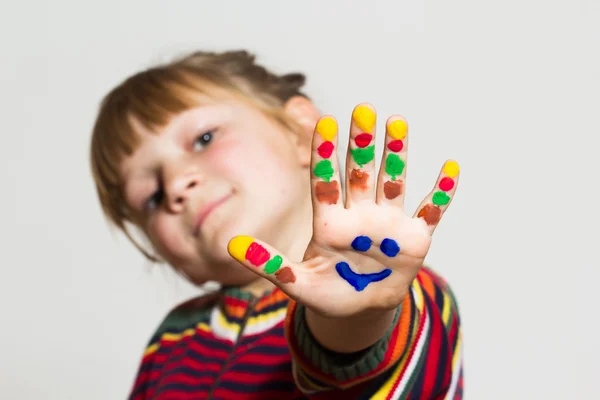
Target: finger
x: 265, y: 261
x: 432, y: 208
x: 392, y: 173
x: 325, y: 180
x: 360, y: 159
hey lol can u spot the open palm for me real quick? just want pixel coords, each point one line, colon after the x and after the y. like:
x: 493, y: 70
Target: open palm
x: 364, y: 254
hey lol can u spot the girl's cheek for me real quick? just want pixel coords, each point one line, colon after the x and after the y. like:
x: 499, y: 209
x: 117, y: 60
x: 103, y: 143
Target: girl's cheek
x: 165, y: 237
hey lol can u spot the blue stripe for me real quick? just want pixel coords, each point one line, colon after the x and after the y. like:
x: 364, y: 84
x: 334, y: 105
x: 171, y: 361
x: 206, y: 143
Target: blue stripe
x: 250, y: 368
x: 269, y: 350
x: 252, y: 388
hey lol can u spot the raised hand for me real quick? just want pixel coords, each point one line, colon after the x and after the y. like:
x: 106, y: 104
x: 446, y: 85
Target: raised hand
x: 365, y: 250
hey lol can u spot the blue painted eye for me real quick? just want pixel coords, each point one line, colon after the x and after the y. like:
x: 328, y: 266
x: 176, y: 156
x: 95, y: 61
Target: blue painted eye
x: 389, y: 247
x: 361, y: 243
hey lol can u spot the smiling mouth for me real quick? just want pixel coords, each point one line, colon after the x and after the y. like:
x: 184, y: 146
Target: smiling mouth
x: 206, y: 211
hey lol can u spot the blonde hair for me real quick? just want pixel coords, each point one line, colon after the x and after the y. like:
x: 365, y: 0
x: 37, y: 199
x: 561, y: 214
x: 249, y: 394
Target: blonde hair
x: 153, y: 96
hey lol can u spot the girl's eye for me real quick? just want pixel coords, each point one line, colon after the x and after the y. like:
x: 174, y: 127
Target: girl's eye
x: 202, y: 141
x: 154, y: 200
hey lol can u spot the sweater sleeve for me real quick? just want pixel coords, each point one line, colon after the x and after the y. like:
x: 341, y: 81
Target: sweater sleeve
x: 420, y: 356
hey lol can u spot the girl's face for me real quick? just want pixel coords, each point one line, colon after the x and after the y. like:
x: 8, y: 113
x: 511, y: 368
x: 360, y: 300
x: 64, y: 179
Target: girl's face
x: 214, y: 172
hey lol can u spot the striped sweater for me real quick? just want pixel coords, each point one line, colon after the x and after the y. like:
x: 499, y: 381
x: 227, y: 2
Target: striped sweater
x: 232, y: 345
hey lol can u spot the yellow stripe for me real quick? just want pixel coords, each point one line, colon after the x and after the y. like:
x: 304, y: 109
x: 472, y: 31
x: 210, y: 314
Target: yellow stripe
x: 173, y: 337
x: 446, y: 309
x: 456, y: 356
x: 229, y: 326
x: 387, y: 388
x: 420, y: 303
x: 151, y: 349
x: 262, y: 318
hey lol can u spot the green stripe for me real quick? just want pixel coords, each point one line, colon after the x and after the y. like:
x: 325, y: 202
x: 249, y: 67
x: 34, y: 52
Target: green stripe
x: 342, y: 366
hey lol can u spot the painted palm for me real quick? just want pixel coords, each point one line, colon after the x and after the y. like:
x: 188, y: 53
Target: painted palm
x: 365, y: 250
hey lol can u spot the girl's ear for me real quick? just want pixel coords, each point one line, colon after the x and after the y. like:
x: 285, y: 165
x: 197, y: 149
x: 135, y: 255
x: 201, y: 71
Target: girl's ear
x: 304, y: 113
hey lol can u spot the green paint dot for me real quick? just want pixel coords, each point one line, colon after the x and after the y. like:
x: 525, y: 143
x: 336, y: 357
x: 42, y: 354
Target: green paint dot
x: 363, y: 155
x: 394, y: 165
x: 324, y: 170
x: 440, y: 198
x: 273, y: 264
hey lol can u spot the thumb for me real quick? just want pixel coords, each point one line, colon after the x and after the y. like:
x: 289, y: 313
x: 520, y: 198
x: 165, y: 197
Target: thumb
x: 265, y: 261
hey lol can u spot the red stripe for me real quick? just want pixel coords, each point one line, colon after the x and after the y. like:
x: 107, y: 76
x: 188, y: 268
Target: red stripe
x: 264, y: 359
x: 432, y: 352
x: 223, y: 393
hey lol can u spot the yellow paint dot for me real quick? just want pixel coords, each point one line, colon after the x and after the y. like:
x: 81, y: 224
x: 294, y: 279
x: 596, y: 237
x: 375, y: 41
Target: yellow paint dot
x: 398, y: 129
x: 238, y: 246
x: 364, y: 118
x: 327, y: 128
x: 451, y: 169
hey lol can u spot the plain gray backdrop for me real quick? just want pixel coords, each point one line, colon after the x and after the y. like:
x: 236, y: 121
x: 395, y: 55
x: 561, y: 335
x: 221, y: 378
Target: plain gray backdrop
x: 510, y: 89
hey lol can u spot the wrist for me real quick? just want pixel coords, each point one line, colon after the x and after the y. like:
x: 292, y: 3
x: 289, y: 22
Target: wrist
x: 353, y: 333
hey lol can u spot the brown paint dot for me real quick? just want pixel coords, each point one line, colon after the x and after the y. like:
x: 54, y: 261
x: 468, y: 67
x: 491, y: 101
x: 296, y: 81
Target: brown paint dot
x: 393, y: 189
x: 359, y: 179
x: 431, y: 214
x: 327, y: 192
x: 285, y: 275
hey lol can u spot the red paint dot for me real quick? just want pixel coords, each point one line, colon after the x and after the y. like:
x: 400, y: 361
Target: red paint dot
x: 446, y: 184
x: 325, y: 149
x: 395, y: 145
x: 363, y: 139
x: 257, y: 254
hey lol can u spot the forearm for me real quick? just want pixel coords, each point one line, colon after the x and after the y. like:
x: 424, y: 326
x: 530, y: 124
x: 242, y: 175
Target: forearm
x: 350, y: 334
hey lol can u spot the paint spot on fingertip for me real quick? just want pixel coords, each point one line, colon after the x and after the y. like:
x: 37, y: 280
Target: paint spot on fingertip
x: 238, y: 246
x: 363, y: 156
x: 362, y: 243
x: 285, y: 275
x: 324, y: 170
x: 363, y: 140
x: 364, y: 118
x: 325, y: 149
x: 446, y: 184
x: 398, y: 129
x: 431, y: 214
x: 440, y: 199
x: 257, y: 254
x: 359, y: 179
x: 393, y: 189
x: 327, y: 192
x: 394, y: 165
x: 327, y: 128
x: 395, y: 145
x: 273, y: 264
x: 451, y: 169
x: 389, y: 247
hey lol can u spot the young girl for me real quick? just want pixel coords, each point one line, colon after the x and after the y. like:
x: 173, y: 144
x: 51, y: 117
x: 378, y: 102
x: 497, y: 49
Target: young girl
x: 232, y: 175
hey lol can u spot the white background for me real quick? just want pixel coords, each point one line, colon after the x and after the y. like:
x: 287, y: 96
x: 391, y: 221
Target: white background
x: 510, y: 89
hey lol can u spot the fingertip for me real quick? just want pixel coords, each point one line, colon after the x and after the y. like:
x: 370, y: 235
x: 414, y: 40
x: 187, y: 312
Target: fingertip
x: 364, y: 116
x: 451, y: 168
x: 238, y: 247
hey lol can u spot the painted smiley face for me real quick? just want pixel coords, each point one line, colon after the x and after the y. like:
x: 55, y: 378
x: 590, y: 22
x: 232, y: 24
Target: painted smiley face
x: 389, y: 247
